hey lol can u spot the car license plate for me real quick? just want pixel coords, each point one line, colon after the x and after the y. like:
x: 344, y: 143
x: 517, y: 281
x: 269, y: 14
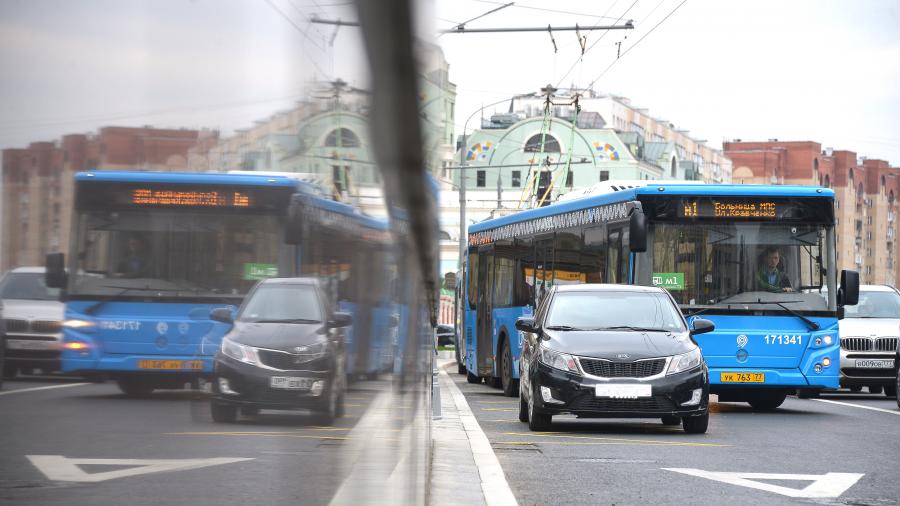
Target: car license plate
x: 290, y: 383
x: 742, y: 377
x: 622, y: 391
x: 25, y: 344
x: 171, y: 365
x: 875, y: 364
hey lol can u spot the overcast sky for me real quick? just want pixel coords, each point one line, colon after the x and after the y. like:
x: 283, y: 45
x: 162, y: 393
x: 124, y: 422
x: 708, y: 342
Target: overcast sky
x: 827, y: 71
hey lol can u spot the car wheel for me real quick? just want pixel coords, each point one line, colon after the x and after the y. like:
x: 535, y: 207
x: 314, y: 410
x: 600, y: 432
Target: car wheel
x: 509, y: 384
x: 807, y: 394
x: 768, y: 402
x: 9, y: 372
x: 471, y: 378
x: 890, y: 390
x: 223, y: 413
x: 249, y: 410
x: 329, y: 410
x: 875, y: 389
x: 537, y: 421
x: 461, y: 368
x: 856, y: 389
x: 523, y: 407
x: 134, y: 387
x: 671, y: 420
x: 696, y: 424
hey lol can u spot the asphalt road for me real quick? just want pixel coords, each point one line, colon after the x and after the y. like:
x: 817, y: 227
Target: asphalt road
x: 626, y: 461
x: 288, y: 459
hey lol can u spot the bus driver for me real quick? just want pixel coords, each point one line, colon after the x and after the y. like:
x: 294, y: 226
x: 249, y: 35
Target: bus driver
x: 769, y: 278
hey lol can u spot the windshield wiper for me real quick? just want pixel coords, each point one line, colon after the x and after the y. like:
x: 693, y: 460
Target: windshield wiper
x: 809, y: 323
x: 629, y: 327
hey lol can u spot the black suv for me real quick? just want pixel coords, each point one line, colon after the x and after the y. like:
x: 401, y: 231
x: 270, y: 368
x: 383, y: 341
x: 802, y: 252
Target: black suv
x: 285, y: 351
x: 612, y: 351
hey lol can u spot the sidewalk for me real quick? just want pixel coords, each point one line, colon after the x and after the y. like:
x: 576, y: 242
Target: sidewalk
x: 464, y: 469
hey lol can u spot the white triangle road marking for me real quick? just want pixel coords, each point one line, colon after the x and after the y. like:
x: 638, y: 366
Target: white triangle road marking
x: 828, y: 485
x: 60, y: 468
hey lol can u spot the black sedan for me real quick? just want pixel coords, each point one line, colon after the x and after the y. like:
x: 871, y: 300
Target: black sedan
x: 284, y: 352
x: 612, y: 351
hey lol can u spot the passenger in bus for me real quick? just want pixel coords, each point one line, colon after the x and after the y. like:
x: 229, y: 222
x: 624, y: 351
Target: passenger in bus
x: 136, y: 263
x: 769, y: 277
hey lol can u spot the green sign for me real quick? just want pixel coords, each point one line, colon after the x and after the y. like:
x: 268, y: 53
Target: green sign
x: 669, y: 280
x: 260, y: 271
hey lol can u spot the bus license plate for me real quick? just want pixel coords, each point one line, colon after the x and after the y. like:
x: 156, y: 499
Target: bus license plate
x: 875, y: 364
x: 171, y: 365
x: 290, y: 383
x: 742, y: 377
x: 622, y: 391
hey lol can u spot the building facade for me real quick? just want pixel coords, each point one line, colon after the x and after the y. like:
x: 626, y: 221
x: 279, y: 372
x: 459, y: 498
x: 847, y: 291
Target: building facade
x: 38, y: 187
x: 865, y: 191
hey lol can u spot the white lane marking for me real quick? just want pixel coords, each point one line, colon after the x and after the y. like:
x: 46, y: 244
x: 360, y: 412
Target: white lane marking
x: 858, y: 406
x: 493, y: 482
x: 35, y: 389
x: 828, y: 485
x: 59, y: 468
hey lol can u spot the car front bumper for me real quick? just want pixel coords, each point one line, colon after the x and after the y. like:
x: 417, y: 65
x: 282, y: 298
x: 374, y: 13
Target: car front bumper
x: 577, y: 395
x: 248, y: 385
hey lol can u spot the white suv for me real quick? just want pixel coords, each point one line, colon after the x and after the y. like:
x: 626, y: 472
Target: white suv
x: 869, y: 334
x: 32, y: 316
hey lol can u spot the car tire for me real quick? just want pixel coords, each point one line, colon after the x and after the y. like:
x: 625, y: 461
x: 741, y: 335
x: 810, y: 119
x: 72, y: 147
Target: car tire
x: 9, y: 372
x: 671, y: 420
x: 897, y: 387
x: 537, y: 422
x: 856, y: 389
x: 696, y: 424
x: 807, y: 394
x: 249, y: 410
x: 471, y: 378
x: 768, y: 402
x: 509, y: 384
x: 330, y: 410
x: 875, y: 389
x: 223, y: 413
x: 890, y: 390
x: 134, y: 387
x: 523, y: 408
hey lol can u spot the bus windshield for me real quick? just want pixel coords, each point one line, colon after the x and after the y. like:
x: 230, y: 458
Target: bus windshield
x: 173, y: 253
x: 743, y: 265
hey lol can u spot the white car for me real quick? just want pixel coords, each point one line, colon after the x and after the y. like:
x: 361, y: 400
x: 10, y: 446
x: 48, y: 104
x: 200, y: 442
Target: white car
x: 869, y: 334
x: 32, y: 316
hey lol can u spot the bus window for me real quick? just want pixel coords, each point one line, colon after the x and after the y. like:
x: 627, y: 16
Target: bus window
x: 543, y: 275
x: 615, y: 271
x: 567, y: 268
x: 472, y: 294
x: 525, y: 272
x: 593, y: 254
x: 504, y: 273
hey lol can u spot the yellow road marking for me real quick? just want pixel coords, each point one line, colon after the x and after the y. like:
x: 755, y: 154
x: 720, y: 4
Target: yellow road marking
x: 499, y: 409
x: 616, y: 440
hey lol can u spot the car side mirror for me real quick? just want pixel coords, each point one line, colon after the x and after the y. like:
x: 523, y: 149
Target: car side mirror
x: 848, y: 293
x: 701, y: 326
x: 222, y: 314
x: 55, y: 276
x: 525, y: 324
x: 340, y: 319
x: 637, y: 232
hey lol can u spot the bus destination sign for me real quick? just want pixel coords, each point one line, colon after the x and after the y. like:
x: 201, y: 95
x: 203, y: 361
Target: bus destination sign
x: 728, y: 209
x: 189, y: 198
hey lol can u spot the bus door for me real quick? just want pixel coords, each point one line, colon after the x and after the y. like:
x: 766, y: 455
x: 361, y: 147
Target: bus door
x: 485, y: 346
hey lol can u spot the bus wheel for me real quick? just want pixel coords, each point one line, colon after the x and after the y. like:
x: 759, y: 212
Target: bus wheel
x: 134, y: 387
x: 223, y: 413
x: 471, y: 378
x: 508, y: 383
x: 766, y: 402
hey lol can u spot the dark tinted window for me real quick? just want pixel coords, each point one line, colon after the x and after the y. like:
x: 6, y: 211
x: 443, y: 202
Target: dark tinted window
x: 600, y: 310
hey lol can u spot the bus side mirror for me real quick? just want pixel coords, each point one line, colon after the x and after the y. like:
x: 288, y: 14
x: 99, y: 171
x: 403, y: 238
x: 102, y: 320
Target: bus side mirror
x: 848, y: 293
x: 637, y: 232
x: 55, y: 277
x: 293, y: 226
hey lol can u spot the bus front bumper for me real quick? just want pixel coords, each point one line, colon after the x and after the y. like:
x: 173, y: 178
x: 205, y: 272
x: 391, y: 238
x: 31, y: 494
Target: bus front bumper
x: 154, y: 364
x: 724, y: 379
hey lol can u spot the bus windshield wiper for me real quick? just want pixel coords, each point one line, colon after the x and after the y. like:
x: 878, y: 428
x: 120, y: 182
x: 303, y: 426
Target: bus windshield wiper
x: 92, y: 309
x: 809, y: 323
x: 630, y: 327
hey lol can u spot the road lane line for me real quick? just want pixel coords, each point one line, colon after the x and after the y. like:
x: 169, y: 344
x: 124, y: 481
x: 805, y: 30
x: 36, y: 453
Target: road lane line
x: 494, y: 486
x: 860, y: 406
x: 35, y: 389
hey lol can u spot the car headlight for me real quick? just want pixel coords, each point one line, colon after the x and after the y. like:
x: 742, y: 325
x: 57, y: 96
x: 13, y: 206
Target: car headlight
x: 311, y: 352
x: 556, y: 360
x: 239, y: 352
x: 685, y: 362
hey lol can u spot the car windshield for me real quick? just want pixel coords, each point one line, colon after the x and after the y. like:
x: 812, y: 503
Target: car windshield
x: 27, y: 286
x: 875, y: 305
x: 614, y: 310
x: 282, y: 303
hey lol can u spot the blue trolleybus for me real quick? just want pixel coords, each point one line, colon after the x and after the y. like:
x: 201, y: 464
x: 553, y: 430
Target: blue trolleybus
x: 759, y: 261
x: 153, y: 253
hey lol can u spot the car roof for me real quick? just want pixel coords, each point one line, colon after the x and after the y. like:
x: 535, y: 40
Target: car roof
x: 290, y: 281
x: 29, y: 270
x: 607, y: 287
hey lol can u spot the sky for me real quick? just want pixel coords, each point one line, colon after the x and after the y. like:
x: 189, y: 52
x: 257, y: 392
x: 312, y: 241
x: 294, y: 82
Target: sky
x: 821, y: 70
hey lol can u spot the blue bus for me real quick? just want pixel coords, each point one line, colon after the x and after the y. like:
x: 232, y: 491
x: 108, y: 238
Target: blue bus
x: 758, y: 261
x: 153, y: 253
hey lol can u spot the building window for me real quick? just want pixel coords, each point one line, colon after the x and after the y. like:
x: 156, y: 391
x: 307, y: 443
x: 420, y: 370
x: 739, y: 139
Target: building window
x: 551, y: 145
x: 347, y: 138
x: 604, y: 175
x: 480, y: 178
x: 517, y: 178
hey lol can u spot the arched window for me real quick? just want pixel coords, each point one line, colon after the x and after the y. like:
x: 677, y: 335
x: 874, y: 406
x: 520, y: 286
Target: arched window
x: 882, y: 182
x: 674, y: 169
x: 551, y: 145
x: 348, y: 139
x: 816, y: 164
x: 827, y: 181
x: 891, y: 198
x: 860, y: 191
x: 851, y: 174
x: 445, y: 236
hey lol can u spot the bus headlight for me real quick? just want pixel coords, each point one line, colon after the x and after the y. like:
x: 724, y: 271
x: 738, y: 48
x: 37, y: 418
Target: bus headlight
x: 556, y: 360
x: 80, y: 325
x: 239, y: 352
x: 685, y: 362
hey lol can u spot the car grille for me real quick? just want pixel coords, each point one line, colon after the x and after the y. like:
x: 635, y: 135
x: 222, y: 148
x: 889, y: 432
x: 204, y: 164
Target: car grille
x: 645, y: 404
x: 15, y: 326
x: 869, y: 344
x: 609, y: 369
x: 278, y: 359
